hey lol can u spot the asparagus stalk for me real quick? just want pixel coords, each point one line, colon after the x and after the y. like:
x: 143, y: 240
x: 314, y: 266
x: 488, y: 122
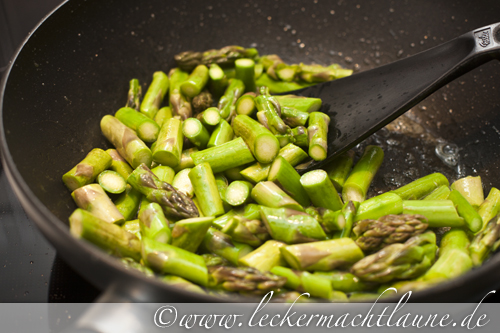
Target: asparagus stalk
x: 242, y: 230
x: 153, y: 223
x: 234, y: 173
x: 179, y: 283
x: 293, y: 117
x: 194, y: 130
x: 440, y: 193
x: 169, y: 145
x: 195, y: 82
x: 421, y: 187
x: 227, y: 102
x: 321, y: 190
x: 376, y: 207
x: 358, y: 182
x: 258, y: 172
x: 483, y: 243
x: 128, y: 203
x: 126, y: 142
x: 349, y: 212
x: 225, y: 156
x: 301, y: 103
x: 272, y: 111
x: 322, y: 256
x: 238, y: 193
x: 210, y: 118
x: 112, y: 182
x: 133, y: 227
x: 291, y: 226
x: 222, y: 133
x: 245, y: 71
x: 155, y: 94
x: 439, y: 213
x: 170, y: 259
x: 222, y: 185
x: 225, y: 56
x: 339, y: 169
x: 206, y: 190
x: 270, y: 62
x: 490, y: 206
x: 345, y: 281
x: 163, y: 115
x: 318, y: 73
x: 466, y: 211
x: 107, y: 236
x: 318, y: 135
x: 262, y: 143
x: 246, y: 105
x: 373, y: 235
x: 243, y: 279
x: 329, y: 220
x: 259, y: 69
x: 146, y: 128
x: 118, y: 164
x: 287, y: 72
x: 180, y: 104
x: 218, y: 80
x: 250, y: 212
x: 315, y: 285
x: 471, y: 188
x: 186, y: 161
x: 398, y: 261
x: 175, y: 203
x: 202, y: 101
x: 134, y: 95
x: 278, y: 87
x: 164, y: 173
x: 212, y: 259
x: 189, y: 233
x: 85, y: 172
x: 182, y: 182
x: 131, y: 264
x: 93, y: 199
x: 221, y: 244
x: 265, y: 257
x: 270, y: 195
x: 297, y: 135
x: 288, y: 179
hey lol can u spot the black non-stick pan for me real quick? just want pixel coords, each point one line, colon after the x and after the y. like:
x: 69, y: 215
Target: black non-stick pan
x: 75, y: 67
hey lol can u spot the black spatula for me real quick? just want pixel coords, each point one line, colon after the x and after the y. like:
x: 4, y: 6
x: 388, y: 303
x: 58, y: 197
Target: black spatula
x: 361, y: 104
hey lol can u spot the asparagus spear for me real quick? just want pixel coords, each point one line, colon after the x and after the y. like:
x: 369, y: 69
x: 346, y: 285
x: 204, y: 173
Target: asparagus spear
x: 189, y: 233
x: 186, y: 161
x: 126, y: 142
x: 287, y: 178
x: 131, y: 264
x: 315, y: 285
x: 163, y: 115
x: 270, y: 62
x: 345, y: 281
x: 291, y: 226
x: 249, y: 211
x: 221, y: 244
x: 92, y: 198
x: 112, y: 182
x: 194, y: 130
x: 246, y: 104
x: 170, y: 259
x: 133, y: 227
x: 349, y: 212
x: 206, y: 190
x: 245, y: 71
x: 318, y: 134
x: 265, y: 257
x: 128, y: 202
x: 339, y: 169
x: 180, y: 104
x: 118, y: 164
x: 272, y: 110
x: 164, y: 173
x: 270, y: 195
x: 490, y: 206
x: 293, y: 117
x: 169, y: 145
x: 225, y: 156
x: 108, y: 236
x: 466, y: 211
x: 212, y: 259
x: 318, y: 73
x: 242, y: 230
x: 134, y: 95
x: 262, y: 143
x: 175, y: 203
x: 225, y: 56
x: 301, y: 103
x: 85, y: 172
x: 210, y: 118
x: 297, y: 135
x: 421, y: 187
x: 376, y: 207
x: 482, y: 244
x: 179, y: 283
x: 373, y: 235
x: 146, y: 128
x: 202, y: 101
x: 321, y: 190
x: 234, y: 173
x: 195, y: 82
x: 329, y: 220
x: 277, y: 87
x: 243, y: 279
x: 182, y: 182
x: 440, y: 193
x: 153, y: 223
x: 238, y: 193
x: 218, y: 80
x: 358, y: 182
x: 155, y: 94
x: 322, y: 256
x: 222, y: 133
x: 222, y: 185
x: 439, y: 213
x: 287, y: 72
x: 471, y: 188
x: 398, y: 261
x: 228, y: 100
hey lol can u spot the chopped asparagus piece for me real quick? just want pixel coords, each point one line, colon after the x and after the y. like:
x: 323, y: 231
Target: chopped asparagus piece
x: 318, y: 135
x: 270, y: 195
x: 301, y: 103
x: 164, y: 173
x: 186, y: 159
x: 421, y: 187
x: 222, y: 133
x: 194, y: 130
x: 180, y: 104
x: 153, y: 223
x: 195, y: 82
x: 128, y: 203
x: 93, y: 199
x: 466, y: 211
x: 205, y: 188
x: 85, y: 172
x: 210, y: 118
x: 182, y: 182
x: 321, y: 190
x: 439, y: 213
x: 118, y: 164
x: 163, y: 115
x: 227, y: 102
x: 112, y: 182
x: 245, y: 71
x: 134, y: 95
x: 238, y: 193
x: 246, y: 105
x: 490, y: 206
x: 265, y: 257
x: 218, y: 80
x: 202, y: 101
x: 155, y: 94
x: 339, y: 169
x: 376, y: 207
x: 483, y: 243
x: 288, y: 179
x: 440, y: 193
x: 262, y: 143
x: 225, y: 156
x: 146, y: 128
x: 221, y: 244
x: 169, y: 145
x: 471, y: 188
x: 189, y: 233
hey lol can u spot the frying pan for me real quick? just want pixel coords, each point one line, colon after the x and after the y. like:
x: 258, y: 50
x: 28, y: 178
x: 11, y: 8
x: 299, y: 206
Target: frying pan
x: 74, y: 68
